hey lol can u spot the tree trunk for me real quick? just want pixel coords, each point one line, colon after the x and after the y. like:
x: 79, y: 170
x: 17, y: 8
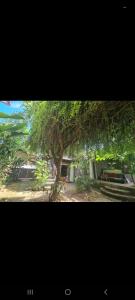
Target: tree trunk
x: 55, y: 192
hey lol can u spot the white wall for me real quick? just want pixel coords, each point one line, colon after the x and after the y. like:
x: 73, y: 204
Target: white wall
x: 71, y: 173
x: 91, y: 171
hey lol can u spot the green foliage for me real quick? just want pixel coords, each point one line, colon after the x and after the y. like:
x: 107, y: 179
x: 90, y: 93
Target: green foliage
x: 10, y: 143
x: 18, y: 116
x: 11, y: 127
x: 81, y: 161
x: 105, y: 156
x: 54, y: 126
x: 59, y: 126
x: 95, y: 184
x: 7, y: 163
x: 41, y: 173
x: 83, y: 183
x: 70, y: 122
x: 122, y: 153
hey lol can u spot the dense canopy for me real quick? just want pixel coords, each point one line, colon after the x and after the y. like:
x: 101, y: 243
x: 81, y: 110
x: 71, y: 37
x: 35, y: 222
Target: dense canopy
x: 59, y: 126
x: 71, y: 121
x: 47, y: 130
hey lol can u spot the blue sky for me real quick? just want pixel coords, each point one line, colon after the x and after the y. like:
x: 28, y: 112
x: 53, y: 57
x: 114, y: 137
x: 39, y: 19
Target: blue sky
x: 15, y: 107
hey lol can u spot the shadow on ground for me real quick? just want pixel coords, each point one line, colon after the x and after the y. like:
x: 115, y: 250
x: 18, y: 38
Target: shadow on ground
x: 20, y: 186
x: 21, y: 192
x: 24, y: 199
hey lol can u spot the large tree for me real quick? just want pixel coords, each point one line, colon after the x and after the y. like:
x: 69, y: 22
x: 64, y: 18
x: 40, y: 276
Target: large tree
x: 57, y: 126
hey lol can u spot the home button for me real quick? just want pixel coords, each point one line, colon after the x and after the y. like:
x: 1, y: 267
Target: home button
x: 67, y: 292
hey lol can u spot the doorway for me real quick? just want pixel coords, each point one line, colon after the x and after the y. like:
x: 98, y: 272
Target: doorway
x: 64, y: 171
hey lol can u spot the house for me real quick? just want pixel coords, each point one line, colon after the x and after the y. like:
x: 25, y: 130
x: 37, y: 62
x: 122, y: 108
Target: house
x: 67, y: 170
x: 70, y: 171
x: 27, y: 170
x: 24, y: 172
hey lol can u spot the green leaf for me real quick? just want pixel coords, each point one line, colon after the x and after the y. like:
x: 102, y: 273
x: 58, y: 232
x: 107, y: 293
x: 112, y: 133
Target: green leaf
x: 11, y: 127
x: 18, y: 133
x: 13, y: 116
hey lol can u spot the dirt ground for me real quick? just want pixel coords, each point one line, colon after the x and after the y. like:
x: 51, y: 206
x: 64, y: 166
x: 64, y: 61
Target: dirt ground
x: 20, y: 192
x: 92, y: 196
x: 70, y: 194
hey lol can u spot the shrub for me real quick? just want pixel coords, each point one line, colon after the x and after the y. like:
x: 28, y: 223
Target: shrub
x: 83, y: 183
x: 41, y: 175
x: 96, y: 185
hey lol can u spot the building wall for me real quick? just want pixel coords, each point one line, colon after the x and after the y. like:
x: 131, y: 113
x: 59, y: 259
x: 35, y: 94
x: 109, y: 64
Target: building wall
x: 72, y: 174
x: 19, y: 173
x: 91, y: 169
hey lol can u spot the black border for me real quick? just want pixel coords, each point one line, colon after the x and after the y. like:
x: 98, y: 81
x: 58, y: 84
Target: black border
x: 77, y: 242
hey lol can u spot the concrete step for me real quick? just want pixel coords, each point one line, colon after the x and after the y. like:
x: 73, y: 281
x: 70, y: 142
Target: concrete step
x: 128, y: 187
x: 119, y: 191
x: 127, y: 198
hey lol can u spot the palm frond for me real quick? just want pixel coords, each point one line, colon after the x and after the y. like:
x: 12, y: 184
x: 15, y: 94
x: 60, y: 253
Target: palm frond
x: 18, y: 116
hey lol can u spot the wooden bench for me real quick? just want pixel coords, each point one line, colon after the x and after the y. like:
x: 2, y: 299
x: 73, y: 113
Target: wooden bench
x: 114, y: 177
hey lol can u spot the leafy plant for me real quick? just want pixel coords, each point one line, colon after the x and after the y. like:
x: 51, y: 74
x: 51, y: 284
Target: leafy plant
x: 18, y: 116
x: 10, y: 143
x: 83, y: 183
x: 41, y: 173
x: 95, y: 184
